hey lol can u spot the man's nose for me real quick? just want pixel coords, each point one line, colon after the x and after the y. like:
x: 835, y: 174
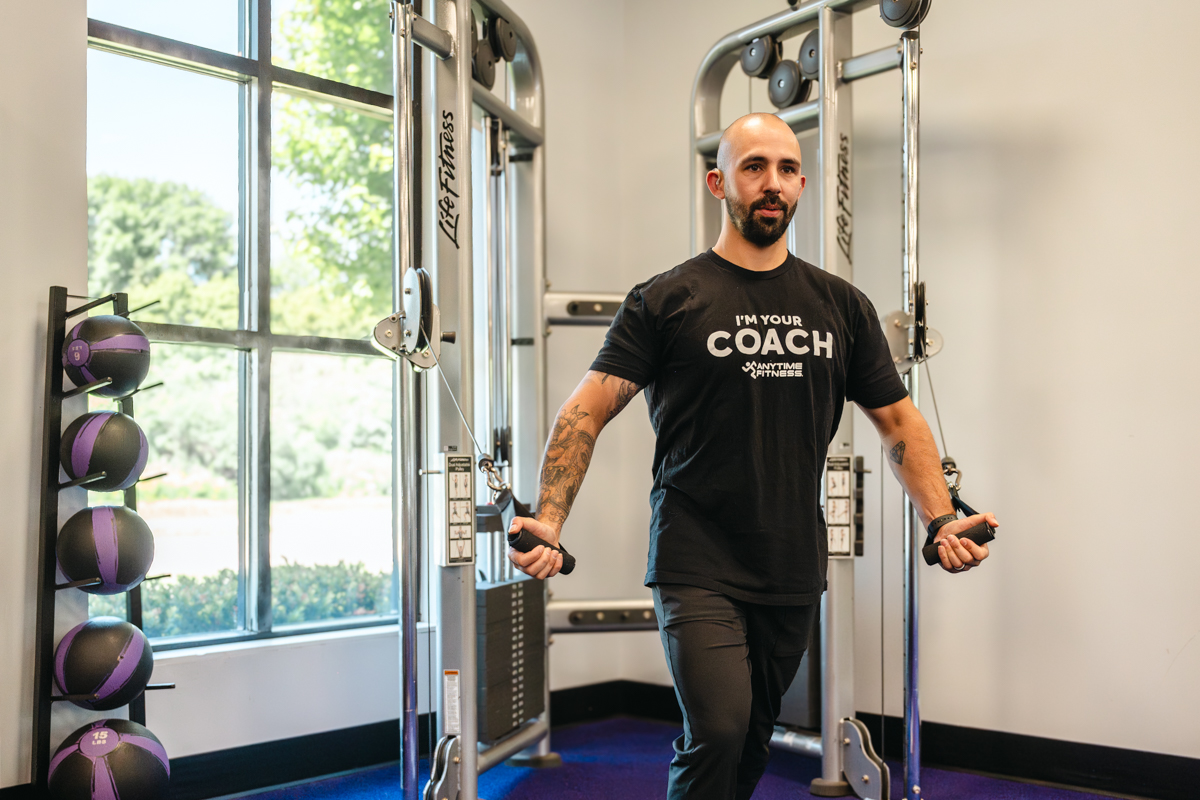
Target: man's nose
x: 773, y: 184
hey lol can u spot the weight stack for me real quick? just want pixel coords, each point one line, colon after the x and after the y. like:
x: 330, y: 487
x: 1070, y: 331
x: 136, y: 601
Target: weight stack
x: 511, y: 648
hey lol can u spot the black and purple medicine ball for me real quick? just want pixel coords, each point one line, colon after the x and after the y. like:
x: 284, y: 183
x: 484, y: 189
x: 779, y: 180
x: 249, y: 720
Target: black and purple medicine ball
x: 113, y: 759
x: 111, y: 543
x: 107, y: 347
x: 104, y: 441
x: 107, y: 659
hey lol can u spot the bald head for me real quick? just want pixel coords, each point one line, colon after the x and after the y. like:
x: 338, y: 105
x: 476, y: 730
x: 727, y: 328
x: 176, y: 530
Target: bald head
x: 754, y: 129
x: 758, y: 177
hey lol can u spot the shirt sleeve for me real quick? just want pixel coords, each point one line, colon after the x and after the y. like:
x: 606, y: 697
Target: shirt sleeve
x: 872, y: 381
x: 631, y: 347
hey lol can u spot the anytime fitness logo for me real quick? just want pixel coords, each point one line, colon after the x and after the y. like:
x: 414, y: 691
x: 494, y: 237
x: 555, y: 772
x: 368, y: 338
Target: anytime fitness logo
x: 750, y: 341
x: 774, y: 370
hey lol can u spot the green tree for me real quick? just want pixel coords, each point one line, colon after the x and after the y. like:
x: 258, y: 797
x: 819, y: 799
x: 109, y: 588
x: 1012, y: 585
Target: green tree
x: 335, y: 278
x: 163, y: 241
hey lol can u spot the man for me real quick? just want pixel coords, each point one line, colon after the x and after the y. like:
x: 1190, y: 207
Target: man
x: 747, y: 354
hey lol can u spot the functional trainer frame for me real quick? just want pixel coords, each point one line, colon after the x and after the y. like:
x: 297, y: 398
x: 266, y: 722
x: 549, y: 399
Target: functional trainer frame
x: 474, y: 342
x: 848, y: 760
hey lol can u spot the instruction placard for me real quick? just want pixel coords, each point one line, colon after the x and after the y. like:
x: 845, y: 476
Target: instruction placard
x: 838, y: 514
x: 460, y: 510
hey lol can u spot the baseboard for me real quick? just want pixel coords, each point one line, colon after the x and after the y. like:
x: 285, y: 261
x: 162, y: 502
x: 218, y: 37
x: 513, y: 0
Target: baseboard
x: 612, y: 699
x: 1110, y: 770
x: 1032, y: 758
x: 260, y: 766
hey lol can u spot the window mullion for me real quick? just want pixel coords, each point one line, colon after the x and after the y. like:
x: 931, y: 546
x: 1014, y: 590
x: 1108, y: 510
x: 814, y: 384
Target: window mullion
x: 261, y: 386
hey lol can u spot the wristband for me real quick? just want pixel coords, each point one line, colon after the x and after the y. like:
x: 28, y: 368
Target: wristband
x: 938, y: 523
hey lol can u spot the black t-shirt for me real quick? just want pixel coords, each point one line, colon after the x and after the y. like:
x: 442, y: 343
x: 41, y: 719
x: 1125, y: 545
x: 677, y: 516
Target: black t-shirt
x: 745, y: 374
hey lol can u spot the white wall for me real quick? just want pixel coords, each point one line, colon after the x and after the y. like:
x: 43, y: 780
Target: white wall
x: 43, y: 242
x: 1057, y: 246
x: 1058, y: 192
x: 1059, y: 176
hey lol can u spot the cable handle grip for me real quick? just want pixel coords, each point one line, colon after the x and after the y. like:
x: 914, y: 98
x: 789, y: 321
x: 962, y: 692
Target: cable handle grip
x: 525, y: 541
x: 980, y: 534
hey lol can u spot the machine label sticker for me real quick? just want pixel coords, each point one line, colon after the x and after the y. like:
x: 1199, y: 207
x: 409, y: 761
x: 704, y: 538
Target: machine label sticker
x: 451, y: 699
x: 838, y: 515
x: 460, y: 511
x: 447, y: 174
x: 845, y: 219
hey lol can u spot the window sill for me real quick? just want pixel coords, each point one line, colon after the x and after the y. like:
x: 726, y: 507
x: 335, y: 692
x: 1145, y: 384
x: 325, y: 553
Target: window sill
x: 201, y: 646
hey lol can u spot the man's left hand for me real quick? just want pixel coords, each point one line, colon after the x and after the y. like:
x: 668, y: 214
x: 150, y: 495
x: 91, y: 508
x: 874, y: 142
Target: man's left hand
x: 961, y: 555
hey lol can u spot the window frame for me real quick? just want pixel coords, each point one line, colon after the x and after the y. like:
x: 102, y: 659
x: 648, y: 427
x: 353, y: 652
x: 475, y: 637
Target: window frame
x: 258, y: 79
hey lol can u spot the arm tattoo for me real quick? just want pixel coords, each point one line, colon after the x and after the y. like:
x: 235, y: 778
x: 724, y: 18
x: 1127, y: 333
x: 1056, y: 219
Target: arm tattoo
x: 568, y: 454
x: 897, y: 454
x: 625, y: 392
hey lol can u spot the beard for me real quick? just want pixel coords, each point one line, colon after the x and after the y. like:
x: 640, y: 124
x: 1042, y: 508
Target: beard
x: 760, y: 231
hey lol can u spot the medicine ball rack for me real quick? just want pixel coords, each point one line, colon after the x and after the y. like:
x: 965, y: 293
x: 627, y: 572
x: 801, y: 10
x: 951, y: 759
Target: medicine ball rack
x: 51, y: 488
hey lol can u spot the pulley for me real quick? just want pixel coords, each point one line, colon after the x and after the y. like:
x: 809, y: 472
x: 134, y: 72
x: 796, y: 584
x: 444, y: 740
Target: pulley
x: 904, y: 13
x: 810, y: 56
x: 483, y: 65
x: 786, y: 87
x: 413, y: 332
x: 502, y: 38
x: 760, y: 56
x: 909, y: 337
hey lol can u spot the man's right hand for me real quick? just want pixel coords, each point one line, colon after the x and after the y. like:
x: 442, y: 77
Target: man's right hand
x: 540, y: 562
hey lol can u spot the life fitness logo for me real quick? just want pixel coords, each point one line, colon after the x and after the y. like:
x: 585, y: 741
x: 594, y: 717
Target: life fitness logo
x: 750, y: 342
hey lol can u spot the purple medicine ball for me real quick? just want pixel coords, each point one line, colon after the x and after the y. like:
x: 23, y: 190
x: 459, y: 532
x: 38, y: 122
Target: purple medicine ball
x: 108, y: 542
x: 107, y: 659
x: 113, y: 759
x: 104, y: 441
x: 107, y: 347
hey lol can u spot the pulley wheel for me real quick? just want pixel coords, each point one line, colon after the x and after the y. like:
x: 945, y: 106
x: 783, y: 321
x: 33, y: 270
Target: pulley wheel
x: 474, y: 33
x: 502, y: 38
x: 760, y: 57
x: 903, y: 13
x: 483, y: 66
x: 925, y: 6
x: 810, y: 56
x: 786, y: 87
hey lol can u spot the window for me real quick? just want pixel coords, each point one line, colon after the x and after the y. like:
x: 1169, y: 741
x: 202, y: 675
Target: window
x: 245, y: 207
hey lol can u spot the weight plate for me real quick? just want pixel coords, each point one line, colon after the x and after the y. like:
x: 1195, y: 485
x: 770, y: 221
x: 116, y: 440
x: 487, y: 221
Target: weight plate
x: 502, y: 38
x: 810, y: 56
x: 483, y: 66
x: 786, y: 87
x: 899, y: 13
x: 760, y: 57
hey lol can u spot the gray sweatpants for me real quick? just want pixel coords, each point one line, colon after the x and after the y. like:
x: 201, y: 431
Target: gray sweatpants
x: 731, y: 662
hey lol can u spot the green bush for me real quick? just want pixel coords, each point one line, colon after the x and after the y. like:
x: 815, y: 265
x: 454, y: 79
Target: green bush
x: 189, y: 605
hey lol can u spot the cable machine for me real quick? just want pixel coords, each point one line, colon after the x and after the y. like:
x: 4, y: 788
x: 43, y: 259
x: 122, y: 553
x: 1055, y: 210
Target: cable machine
x: 826, y: 59
x: 469, y: 249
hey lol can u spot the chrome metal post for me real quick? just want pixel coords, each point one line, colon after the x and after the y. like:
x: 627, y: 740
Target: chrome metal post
x: 504, y: 193
x: 911, y: 69
x: 490, y: 234
x: 835, y: 130
x: 404, y: 412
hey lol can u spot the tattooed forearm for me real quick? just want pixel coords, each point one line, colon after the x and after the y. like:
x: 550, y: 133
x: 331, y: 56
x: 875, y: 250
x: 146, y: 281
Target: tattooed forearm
x: 626, y: 391
x: 568, y: 454
x: 896, y: 454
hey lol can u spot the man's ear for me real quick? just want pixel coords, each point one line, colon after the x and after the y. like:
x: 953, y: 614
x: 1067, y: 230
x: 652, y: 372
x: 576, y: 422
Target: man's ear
x: 716, y: 183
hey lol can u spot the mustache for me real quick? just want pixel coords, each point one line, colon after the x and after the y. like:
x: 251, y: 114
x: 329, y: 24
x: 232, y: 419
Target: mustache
x: 772, y: 201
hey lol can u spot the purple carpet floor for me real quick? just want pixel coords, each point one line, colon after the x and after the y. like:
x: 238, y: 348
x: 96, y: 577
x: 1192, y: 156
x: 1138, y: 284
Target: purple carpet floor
x: 626, y: 759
